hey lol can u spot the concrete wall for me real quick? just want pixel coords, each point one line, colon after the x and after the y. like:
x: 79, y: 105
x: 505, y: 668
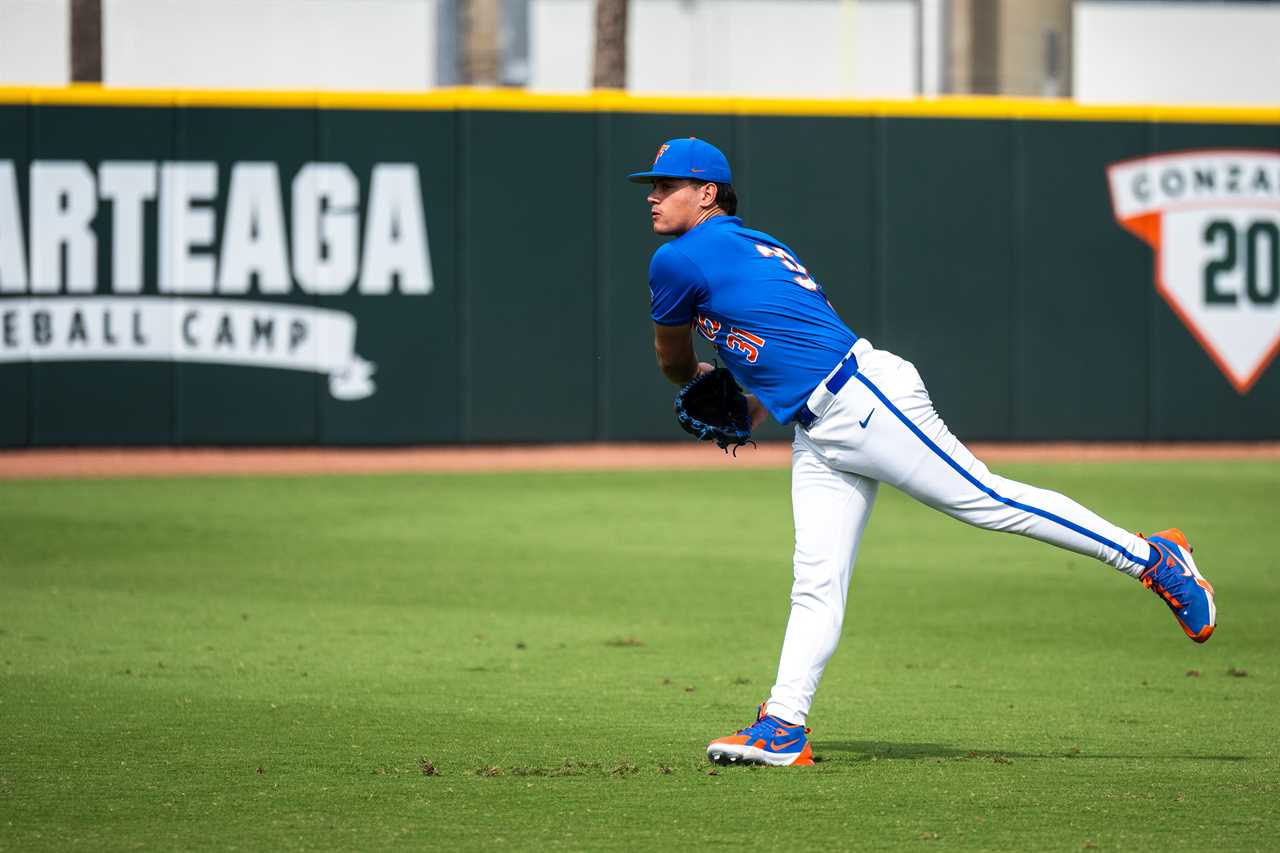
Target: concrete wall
x: 821, y: 48
x: 281, y: 44
x: 1117, y: 52
x: 343, y: 45
x: 1177, y: 53
x: 34, y: 42
x: 767, y: 47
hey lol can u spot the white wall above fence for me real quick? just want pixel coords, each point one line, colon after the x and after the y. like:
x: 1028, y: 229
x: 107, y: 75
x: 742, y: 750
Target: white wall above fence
x: 34, y: 42
x: 270, y: 44
x: 1166, y: 53
x: 818, y: 48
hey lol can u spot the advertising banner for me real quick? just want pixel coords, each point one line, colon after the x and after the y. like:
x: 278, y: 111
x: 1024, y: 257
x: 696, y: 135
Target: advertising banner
x: 222, y: 272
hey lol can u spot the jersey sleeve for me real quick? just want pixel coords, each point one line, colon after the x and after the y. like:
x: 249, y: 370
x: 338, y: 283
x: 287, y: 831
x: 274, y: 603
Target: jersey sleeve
x: 675, y: 285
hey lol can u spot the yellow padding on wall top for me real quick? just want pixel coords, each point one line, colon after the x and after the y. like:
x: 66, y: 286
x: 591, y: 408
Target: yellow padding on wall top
x: 515, y: 100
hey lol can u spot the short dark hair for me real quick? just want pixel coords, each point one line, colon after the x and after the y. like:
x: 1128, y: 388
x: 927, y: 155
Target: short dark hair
x: 726, y: 198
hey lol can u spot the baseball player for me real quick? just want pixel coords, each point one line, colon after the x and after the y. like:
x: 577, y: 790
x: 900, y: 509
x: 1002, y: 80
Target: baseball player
x: 862, y: 417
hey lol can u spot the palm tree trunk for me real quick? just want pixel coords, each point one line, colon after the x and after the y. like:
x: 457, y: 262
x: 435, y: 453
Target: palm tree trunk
x: 610, y: 68
x: 480, y: 20
x: 86, y: 41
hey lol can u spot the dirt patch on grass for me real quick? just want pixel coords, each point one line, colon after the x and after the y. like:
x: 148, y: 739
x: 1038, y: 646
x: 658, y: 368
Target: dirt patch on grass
x: 161, y: 462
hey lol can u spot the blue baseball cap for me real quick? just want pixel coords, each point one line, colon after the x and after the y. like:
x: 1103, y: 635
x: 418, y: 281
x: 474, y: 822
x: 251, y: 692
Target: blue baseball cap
x: 687, y: 158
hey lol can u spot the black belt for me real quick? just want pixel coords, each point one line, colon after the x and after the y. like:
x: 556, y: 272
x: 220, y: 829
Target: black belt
x: 834, y: 383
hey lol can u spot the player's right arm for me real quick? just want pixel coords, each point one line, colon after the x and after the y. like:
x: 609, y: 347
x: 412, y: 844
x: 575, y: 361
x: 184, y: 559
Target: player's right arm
x: 675, y: 287
x: 673, y: 345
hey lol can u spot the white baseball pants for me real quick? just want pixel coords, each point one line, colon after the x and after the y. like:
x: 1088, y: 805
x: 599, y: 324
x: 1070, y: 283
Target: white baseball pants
x: 881, y: 427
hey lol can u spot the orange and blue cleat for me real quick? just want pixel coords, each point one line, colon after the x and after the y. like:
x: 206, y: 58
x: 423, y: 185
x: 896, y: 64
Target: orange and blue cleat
x: 768, y: 740
x: 1175, y: 578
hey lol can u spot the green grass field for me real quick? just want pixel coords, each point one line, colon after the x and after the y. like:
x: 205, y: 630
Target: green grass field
x: 538, y: 660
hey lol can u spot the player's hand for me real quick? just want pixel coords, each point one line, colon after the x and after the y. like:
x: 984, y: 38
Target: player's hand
x: 703, y: 367
x: 757, y: 411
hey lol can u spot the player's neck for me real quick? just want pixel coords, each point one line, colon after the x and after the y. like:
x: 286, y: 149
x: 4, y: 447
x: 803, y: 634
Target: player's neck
x: 709, y: 213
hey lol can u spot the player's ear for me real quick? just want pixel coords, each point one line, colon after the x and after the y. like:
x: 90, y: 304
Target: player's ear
x: 709, y: 193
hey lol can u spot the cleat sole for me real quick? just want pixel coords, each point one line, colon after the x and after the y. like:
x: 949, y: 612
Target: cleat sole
x: 729, y: 754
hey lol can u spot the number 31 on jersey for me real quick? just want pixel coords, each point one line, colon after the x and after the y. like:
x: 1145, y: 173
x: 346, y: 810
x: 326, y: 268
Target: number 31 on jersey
x: 737, y: 339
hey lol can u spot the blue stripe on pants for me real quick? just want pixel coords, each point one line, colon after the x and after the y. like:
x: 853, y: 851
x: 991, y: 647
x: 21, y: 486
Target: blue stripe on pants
x: 1070, y: 525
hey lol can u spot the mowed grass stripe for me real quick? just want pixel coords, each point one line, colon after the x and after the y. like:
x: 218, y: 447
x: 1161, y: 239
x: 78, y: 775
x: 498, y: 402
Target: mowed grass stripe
x: 273, y: 663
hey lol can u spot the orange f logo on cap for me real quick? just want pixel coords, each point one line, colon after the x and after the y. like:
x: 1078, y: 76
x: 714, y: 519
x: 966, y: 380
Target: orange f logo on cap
x: 661, y: 151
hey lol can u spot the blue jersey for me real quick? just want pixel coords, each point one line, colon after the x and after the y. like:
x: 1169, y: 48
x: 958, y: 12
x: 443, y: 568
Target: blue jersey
x: 752, y: 298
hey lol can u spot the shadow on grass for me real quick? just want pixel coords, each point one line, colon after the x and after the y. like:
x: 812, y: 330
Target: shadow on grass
x: 872, y: 750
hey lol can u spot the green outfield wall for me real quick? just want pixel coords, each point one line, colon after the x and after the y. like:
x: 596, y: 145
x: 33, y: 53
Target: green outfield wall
x: 232, y: 269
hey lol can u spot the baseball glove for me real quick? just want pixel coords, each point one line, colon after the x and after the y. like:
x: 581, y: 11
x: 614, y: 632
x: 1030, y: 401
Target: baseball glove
x: 712, y: 407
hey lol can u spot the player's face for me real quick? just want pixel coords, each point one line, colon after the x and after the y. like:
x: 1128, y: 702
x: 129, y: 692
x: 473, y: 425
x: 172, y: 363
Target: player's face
x: 676, y: 205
